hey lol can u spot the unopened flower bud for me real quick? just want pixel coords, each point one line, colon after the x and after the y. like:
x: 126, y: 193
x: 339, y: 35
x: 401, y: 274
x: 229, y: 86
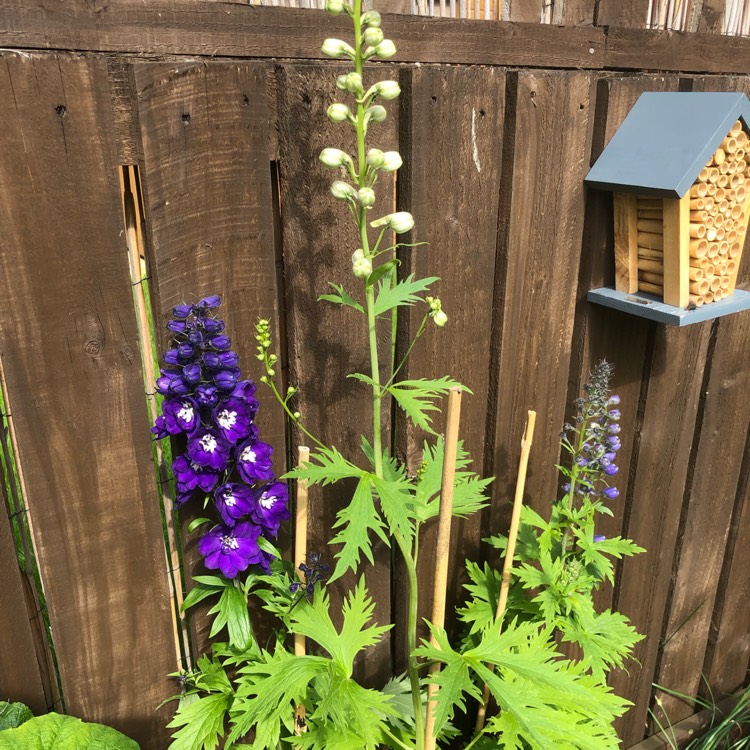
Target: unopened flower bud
x: 387, y: 89
x: 342, y: 191
x: 353, y: 83
x: 400, y: 222
x: 296, y: 415
x: 366, y: 197
x: 361, y: 266
x: 391, y: 161
x: 336, y: 48
x: 377, y: 113
x: 371, y: 18
x: 375, y: 158
x: 386, y: 49
x: 440, y: 318
x: 334, y: 7
x: 334, y: 157
x: 338, y: 112
x: 373, y: 36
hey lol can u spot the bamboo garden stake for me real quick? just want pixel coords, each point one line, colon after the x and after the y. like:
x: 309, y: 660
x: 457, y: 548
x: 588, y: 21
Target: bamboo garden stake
x: 442, y: 550
x: 300, y: 555
x: 523, y: 466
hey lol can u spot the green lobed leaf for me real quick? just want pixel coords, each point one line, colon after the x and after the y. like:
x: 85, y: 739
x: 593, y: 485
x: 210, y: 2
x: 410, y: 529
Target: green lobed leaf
x: 405, y: 292
x: 202, y: 723
x: 356, y: 521
x: 231, y: 611
x: 326, y: 466
x: 342, y: 297
x: 57, y: 732
x: 417, y: 398
x: 397, y: 502
x: 12, y: 715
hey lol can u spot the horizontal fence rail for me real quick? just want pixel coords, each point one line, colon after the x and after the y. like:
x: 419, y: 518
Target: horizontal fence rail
x: 222, y: 153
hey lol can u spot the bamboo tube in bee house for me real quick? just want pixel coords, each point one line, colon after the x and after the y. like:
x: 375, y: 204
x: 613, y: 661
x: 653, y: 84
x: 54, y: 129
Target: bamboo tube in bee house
x: 729, y: 145
x: 713, y: 174
x: 736, y: 129
x: 698, y: 248
x: 699, y: 287
x: 736, y: 212
x: 651, y: 240
x: 698, y: 204
x: 720, y: 232
x: 650, y: 288
x: 736, y: 180
x: 719, y: 195
x: 731, y: 268
x: 719, y: 157
x: 725, y: 168
x: 710, y: 188
x: 731, y: 236
x: 741, y: 166
x: 697, y: 231
x: 708, y: 270
x: 695, y: 274
x: 721, y: 269
x: 703, y: 174
x: 715, y: 284
x: 713, y: 250
x: 696, y: 299
x: 723, y: 181
x: 699, y: 190
x: 708, y: 297
x: 709, y: 234
x: 740, y: 194
x: 723, y: 248
x: 654, y: 266
x: 731, y: 167
x: 698, y: 216
x: 701, y: 263
x: 725, y: 282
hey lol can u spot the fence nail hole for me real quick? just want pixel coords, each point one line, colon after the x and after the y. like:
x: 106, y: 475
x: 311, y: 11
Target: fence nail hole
x: 433, y: 99
x: 61, y: 110
x: 245, y: 100
x: 581, y: 106
x: 186, y: 118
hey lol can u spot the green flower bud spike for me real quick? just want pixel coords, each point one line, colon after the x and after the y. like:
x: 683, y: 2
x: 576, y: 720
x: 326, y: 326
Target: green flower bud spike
x: 338, y: 112
x: 373, y: 36
x: 353, y: 83
x: 400, y: 222
x: 366, y: 197
x: 375, y: 158
x: 361, y: 266
x: 337, y: 48
x: 376, y: 113
x: 342, y: 191
x: 371, y: 18
x: 385, y: 50
x: 391, y: 161
x: 334, y: 157
x: 335, y: 7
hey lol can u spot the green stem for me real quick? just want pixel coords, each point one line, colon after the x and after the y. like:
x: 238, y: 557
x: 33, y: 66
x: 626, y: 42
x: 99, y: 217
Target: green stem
x: 419, y: 332
x: 290, y: 413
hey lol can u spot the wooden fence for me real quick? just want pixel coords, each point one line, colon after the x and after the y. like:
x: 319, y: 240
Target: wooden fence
x: 226, y: 142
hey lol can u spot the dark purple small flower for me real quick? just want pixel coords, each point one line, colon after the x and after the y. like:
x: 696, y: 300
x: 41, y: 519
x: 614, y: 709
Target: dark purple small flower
x: 172, y: 357
x: 581, y: 461
x: 190, y: 475
x: 213, y: 325
x: 185, y: 351
x: 613, y: 429
x: 254, y: 461
x: 182, y: 311
x: 207, y: 395
x: 182, y: 497
x: 177, y: 326
x: 207, y: 303
x: 609, y: 456
x: 196, y: 338
x: 226, y: 379
x: 232, y: 418
x: 192, y: 373
x: 171, y: 384
x: 180, y: 415
x: 610, y: 470
x: 160, y: 429
x: 244, y: 390
x: 614, y: 400
x: 614, y: 442
x: 271, y: 507
x: 615, y: 414
x: 229, y: 359
x: 566, y: 487
x: 231, y: 550
x: 234, y: 501
x: 208, y: 449
x: 611, y: 492
x: 220, y: 342
x: 211, y: 360
x: 599, y: 537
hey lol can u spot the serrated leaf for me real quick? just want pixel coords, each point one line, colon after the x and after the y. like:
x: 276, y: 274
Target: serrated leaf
x: 397, y: 502
x: 356, y: 521
x: 417, y: 398
x: 231, y: 611
x: 484, y: 592
x: 381, y: 271
x: 405, y: 292
x: 56, y: 732
x: 326, y: 466
x: 12, y: 715
x: 342, y: 297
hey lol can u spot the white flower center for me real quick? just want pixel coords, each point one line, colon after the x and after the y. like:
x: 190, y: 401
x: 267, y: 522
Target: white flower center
x: 187, y: 413
x: 248, y: 455
x: 227, y: 418
x: 229, y: 542
x: 230, y: 500
x: 267, y: 500
x: 209, y: 443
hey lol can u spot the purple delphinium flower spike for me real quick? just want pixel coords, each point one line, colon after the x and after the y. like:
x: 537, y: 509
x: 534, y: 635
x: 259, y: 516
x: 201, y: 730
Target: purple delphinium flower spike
x: 233, y: 501
x: 271, y: 507
x: 180, y: 415
x: 190, y: 475
x: 254, y: 461
x: 208, y: 448
x: 231, y: 549
x: 232, y: 419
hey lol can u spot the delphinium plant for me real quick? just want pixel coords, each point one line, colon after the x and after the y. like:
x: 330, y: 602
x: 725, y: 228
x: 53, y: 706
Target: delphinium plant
x: 256, y: 693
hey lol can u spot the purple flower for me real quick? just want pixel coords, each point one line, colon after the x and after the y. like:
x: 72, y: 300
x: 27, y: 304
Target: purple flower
x: 207, y: 395
x: 207, y: 303
x: 172, y: 357
x: 208, y: 449
x: 232, y: 418
x: 615, y: 414
x: 220, y: 342
x: 196, y: 338
x: 234, y: 501
x: 610, y: 470
x: 581, y: 461
x: 213, y: 325
x: 192, y: 373
x: 254, y: 461
x: 211, y: 360
x: 182, y: 311
x: 614, y: 442
x: 177, y: 326
x: 613, y: 429
x: 231, y: 549
x: 190, y: 475
x: 226, y: 379
x: 271, y: 507
x: 611, y: 492
x: 614, y: 400
x: 180, y: 415
x: 185, y: 351
x: 171, y: 384
x: 160, y: 429
x: 599, y: 537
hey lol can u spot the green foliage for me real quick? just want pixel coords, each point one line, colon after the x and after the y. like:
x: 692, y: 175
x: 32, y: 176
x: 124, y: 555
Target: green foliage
x: 202, y: 722
x: 341, y: 297
x: 57, y: 732
x: 403, y: 293
x: 417, y: 398
x: 231, y: 612
x: 12, y: 715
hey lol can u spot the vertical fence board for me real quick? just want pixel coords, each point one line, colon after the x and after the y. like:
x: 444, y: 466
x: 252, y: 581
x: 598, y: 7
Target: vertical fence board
x: 601, y: 333
x: 660, y: 469
x: 452, y: 139
x: 207, y: 179
x: 539, y: 253
x: 20, y: 676
x: 630, y: 14
x: 326, y: 341
x: 74, y: 380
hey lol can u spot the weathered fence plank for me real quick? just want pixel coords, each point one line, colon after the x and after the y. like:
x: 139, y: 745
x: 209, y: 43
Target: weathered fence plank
x: 74, y: 379
x: 207, y: 180
x: 452, y: 139
x: 327, y: 342
x: 631, y: 14
x: 547, y: 146
x: 659, y: 465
